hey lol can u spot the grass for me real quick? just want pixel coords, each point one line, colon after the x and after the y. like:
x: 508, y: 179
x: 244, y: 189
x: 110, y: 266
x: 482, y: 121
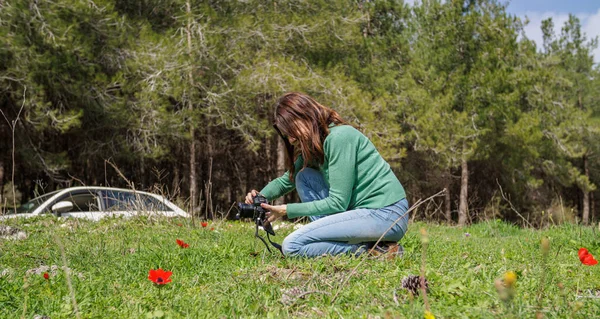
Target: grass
x: 226, y: 273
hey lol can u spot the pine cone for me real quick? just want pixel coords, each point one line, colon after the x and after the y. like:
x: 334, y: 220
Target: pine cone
x: 412, y: 283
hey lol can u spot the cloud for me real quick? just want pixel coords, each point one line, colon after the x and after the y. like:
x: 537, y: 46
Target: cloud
x: 590, y: 25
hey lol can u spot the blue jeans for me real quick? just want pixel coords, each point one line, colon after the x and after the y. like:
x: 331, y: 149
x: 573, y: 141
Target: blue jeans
x: 350, y: 232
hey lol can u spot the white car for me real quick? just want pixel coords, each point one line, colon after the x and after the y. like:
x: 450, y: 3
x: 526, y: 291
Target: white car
x: 97, y: 202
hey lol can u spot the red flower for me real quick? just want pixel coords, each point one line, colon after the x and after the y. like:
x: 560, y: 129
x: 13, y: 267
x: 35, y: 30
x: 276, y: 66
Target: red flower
x: 179, y: 225
x: 182, y: 244
x: 159, y: 276
x: 586, y: 258
x: 204, y: 224
x: 589, y: 260
x: 46, y: 276
x: 212, y: 228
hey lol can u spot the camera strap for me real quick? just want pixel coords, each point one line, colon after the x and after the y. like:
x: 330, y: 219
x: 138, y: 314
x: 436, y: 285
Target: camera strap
x: 276, y: 245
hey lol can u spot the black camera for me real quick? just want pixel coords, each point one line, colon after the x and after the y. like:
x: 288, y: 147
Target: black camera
x: 254, y: 209
x: 256, y: 212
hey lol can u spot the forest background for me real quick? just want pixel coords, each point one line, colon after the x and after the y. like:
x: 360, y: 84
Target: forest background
x: 176, y: 97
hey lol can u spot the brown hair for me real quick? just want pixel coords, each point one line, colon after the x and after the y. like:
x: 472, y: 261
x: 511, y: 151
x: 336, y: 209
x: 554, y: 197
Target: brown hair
x: 294, y: 110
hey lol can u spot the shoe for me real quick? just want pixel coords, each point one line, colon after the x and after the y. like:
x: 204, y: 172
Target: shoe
x: 388, y: 250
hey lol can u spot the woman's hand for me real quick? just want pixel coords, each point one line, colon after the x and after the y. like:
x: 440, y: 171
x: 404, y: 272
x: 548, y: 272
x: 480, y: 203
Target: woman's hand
x: 251, y: 195
x: 275, y: 212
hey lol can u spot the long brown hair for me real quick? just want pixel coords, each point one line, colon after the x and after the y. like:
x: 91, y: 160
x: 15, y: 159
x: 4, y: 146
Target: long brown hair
x: 294, y: 110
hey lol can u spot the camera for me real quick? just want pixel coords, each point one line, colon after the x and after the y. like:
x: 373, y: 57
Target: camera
x: 256, y: 212
x: 252, y: 210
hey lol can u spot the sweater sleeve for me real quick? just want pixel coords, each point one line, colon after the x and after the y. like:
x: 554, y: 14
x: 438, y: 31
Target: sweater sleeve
x: 281, y: 185
x: 341, y: 155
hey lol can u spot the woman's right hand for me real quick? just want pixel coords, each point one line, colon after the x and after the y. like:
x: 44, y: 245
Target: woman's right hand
x: 250, y: 196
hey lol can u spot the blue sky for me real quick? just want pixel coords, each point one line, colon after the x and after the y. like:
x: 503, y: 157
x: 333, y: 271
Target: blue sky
x: 572, y: 6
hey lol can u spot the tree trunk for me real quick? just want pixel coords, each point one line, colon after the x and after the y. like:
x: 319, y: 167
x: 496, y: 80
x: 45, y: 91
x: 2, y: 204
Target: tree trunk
x: 280, y: 163
x: 142, y: 179
x: 281, y: 156
x: 208, y: 185
x: 447, y: 199
x: 592, y: 207
x: 463, y: 208
x: 1, y: 185
x: 193, y: 181
x: 270, y: 146
x: 89, y: 173
x: 586, y: 194
x: 175, y: 191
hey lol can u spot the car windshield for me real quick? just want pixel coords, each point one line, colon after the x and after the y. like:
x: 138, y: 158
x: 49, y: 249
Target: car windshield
x: 31, y: 205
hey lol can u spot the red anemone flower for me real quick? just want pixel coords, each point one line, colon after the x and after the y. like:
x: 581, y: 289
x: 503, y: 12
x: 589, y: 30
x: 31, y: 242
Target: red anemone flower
x: 159, y: 276
x: 46, y: 276
x: 586, y: 258
x: 182, y: 244
x: 204, y: 224
x: 589, y: 260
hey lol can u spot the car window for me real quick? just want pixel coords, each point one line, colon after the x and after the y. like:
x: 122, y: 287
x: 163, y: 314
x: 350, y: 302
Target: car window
x: 132, y: 201
x: 86, y: 201
x: 31, y: 205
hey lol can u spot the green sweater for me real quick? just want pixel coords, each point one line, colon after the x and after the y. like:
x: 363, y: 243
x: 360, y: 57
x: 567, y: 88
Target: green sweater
x: 357, y: 175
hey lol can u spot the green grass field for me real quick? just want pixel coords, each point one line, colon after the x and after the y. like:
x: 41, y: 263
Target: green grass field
x: 227, y: 273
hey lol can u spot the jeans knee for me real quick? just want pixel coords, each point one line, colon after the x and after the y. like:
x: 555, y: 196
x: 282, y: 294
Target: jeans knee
x: 311, y: 185
x: 304, y: 175
x: 289, y: 247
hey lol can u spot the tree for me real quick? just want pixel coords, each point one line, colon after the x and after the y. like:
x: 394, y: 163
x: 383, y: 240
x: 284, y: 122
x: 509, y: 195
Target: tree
x: 575, y: 132
x: 459, y: 55
x: 58, y: 62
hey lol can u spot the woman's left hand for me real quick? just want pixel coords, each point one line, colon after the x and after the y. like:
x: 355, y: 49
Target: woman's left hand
x: 275, y: 212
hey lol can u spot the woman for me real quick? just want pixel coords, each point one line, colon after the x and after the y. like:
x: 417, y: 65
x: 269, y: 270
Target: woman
x: 348, y: 191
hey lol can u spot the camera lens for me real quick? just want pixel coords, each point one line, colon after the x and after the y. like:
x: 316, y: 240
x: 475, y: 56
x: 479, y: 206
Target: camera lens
x: 245, y: 210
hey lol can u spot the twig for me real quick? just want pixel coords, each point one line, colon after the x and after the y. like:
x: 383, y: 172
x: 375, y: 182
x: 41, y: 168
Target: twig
x: 511, y: 205
x: 302, y: 295
x: 417, y: 204
x: 290, y: 273
x: 25, y: 287
x: 13, y: 125
x: 77, y: 179
x: 68, y: 276
x: 545, y: 245
x: 312, y: 292
x: 229, y: 211
x: 131, y: 185
x: 591, y: 297
x: 425, y: 241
